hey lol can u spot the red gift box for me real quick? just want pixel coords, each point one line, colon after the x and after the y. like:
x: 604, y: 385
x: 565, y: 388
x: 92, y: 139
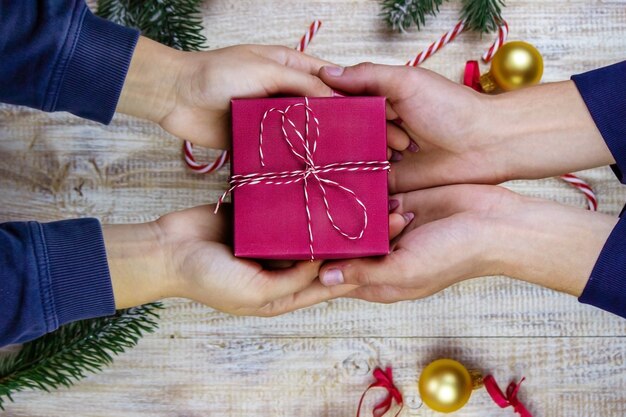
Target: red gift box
x: 309, y: 178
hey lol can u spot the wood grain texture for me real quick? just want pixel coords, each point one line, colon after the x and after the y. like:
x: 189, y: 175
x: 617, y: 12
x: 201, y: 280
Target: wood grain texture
x: 316, y: 362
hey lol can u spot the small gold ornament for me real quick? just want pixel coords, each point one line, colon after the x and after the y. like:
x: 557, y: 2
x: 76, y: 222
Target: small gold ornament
x: 517, y: 64
x: 446, y: 385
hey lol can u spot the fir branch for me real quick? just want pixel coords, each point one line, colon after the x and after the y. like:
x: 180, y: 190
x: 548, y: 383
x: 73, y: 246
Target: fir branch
x: 176, y: 23
x: 66, y: 355
x: 482, y: 15
x: 402, y: 14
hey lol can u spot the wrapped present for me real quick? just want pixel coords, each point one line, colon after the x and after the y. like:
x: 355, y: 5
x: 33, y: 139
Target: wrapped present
x: 309, y: 178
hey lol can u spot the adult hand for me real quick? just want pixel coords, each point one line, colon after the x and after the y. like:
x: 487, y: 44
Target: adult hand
x: 189, y: 93
x: 466, y: 231
x: 467, y: 137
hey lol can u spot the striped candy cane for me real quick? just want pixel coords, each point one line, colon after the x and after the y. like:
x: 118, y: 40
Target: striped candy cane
x: 225, y: 156
x: 583, y: 187
x: 503, y: 33
x: 437, y: 45
x: 308, y: 36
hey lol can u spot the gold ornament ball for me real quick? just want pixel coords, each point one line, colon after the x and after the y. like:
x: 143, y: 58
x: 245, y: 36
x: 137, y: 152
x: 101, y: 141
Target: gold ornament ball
x: 517, y: 64
x: 446, y: 385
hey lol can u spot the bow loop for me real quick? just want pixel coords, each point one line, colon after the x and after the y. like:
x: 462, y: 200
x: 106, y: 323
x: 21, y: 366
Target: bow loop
x: 384, y: 379
x: 508, y: 400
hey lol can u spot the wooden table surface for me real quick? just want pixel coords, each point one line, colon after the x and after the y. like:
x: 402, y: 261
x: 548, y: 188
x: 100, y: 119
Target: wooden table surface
x: 317, y: 361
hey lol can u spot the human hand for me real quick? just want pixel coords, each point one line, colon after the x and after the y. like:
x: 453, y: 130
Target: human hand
x: 189, y: 93
x: 467, y: 231
x: 467, y: 137
x: 186, y: 254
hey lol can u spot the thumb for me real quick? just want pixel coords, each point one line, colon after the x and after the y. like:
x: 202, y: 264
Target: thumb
x: 387, y: 270
x: 367, y: 79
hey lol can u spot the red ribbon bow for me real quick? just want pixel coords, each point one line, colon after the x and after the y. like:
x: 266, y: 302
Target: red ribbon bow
x: 384, y: 379
x: 508, y: 400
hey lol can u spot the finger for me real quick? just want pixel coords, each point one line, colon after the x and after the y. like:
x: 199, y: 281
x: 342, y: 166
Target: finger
x: 397, y: 138
x: 397, y: 223
x: 284, y: 282
x: 290, y: 81
x: 370, y: 79
x: 383, y: 294
x: 437, y: 203
x: 391, y: 270
x: 292, y: 58
x: 313, y: 294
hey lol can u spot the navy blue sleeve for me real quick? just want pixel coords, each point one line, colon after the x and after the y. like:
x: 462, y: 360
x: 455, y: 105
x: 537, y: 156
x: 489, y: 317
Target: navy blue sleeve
x: 51, y: 274
x: 55, y: 55
x: 604, y: 93
x: 606, y: 288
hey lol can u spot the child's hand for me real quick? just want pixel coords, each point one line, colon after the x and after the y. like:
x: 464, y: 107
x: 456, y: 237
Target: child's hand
x: 186, y: 254
x: 189, y: 93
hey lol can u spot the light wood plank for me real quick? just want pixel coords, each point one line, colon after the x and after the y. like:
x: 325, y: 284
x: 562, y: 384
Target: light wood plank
x: 325, y: 377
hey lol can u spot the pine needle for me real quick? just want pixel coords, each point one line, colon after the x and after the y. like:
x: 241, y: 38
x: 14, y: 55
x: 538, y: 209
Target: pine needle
x: 479, y: 15
x: 176, y: 23
x: 482, y: 15
x: 71, y: 352
x: 402, y: 14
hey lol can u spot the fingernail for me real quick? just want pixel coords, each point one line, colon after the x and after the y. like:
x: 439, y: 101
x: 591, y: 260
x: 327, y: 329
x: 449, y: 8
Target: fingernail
x: 337, y: 94
x: 393, y: 204
x: 332, y: 277
x: 408, y: 217
x: 413, y: 147
x: 333, y: 71
x: 395, y: 156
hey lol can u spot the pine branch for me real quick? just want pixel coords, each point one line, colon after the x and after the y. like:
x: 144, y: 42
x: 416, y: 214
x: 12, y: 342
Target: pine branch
x: 482, y: 15
x: 402, y: 14
x: 479, y: 15
x: 66, y: 355
x: 176, y: 23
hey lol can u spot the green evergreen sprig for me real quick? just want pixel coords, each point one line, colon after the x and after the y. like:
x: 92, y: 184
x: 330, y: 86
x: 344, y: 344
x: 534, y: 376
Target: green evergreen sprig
x: 71, y: 352
x: 480, y: 15
x: 176, y: 23
x: 402, y: 14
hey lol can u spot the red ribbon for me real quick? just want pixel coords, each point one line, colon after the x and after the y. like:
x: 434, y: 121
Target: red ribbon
x: 471, y: 76
x: 384, y: 379
x: 508, y: 400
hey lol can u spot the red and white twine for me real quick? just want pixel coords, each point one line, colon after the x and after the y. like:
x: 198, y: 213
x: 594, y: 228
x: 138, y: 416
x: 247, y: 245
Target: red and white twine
x: 311, y: 173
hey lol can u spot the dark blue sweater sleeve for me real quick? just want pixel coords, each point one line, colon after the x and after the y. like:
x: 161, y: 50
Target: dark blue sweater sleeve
x: 604, y: 93
x: 55, y: 55
x: 51, y: 274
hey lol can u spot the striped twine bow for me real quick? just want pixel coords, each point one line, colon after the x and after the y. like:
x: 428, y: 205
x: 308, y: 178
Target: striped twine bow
x: 311, y: 173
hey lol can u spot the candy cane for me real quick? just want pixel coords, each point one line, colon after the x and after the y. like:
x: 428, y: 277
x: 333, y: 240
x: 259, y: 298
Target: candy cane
x: 437, y: 45
x: 225, y: 156
x: 308, y: 36
x: 583, y: 187
x: 503, y: 31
